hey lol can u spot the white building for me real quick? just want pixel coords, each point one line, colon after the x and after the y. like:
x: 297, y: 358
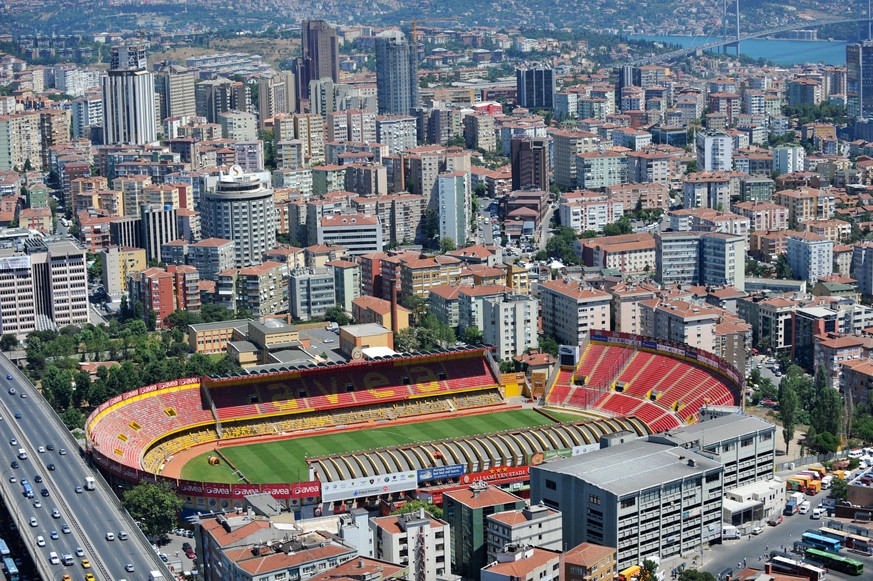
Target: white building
x: 714, y: 151
x: 454, y: 208
x: 510, y: 324
x: 398, y: 132
x: 241, y: 209
x: 536, y: 525
x: 570, y: 310
x: 523, y: 562
x: 357, y: 233
x: 589, y: 213
x: 722, y: 260
x: 810, y: 256
x: 788, y: 158
x: 238, y: 126
x: 87, y: 112
x: 416, y: 540
x: 129, y: 115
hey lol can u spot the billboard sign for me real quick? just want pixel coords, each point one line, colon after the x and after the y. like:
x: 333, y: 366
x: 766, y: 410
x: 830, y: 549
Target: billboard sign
x: 441, y: 472
x: 305, y: 489
x: 372, y: 486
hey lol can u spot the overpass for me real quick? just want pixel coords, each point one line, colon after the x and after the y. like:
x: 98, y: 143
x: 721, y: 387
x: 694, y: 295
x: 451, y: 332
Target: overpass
x: 89, y: 515
x: 736, y: 41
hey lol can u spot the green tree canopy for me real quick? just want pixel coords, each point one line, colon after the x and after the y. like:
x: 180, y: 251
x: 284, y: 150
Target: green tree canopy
x: 415, y: 505
x: 787, y: 411
x: 156, y: 506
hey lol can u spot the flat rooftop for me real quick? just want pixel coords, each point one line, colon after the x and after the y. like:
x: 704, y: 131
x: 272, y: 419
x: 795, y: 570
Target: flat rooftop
x: 633, y: 466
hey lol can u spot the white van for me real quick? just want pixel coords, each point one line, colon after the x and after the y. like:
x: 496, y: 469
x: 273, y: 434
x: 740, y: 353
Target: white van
x: 22, y: 454
x: 729, y: 532
x: 855, y: 453
x: 804, y: 507
x: 816, y: 513
x: 53, y: 558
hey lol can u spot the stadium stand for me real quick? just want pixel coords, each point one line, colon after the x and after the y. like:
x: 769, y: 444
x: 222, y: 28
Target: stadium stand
x: 142, y: 430
x: 659, y: 388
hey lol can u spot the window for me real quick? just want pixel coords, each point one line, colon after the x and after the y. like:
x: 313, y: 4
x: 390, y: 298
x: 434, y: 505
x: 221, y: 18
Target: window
x: 628, y: 502
x: 593, y: 499
x: 551, y: 484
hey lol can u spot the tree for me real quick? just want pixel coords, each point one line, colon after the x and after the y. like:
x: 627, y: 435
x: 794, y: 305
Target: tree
x: 73, y: 418
x: 649, y: 571
x: 447, y: 245
x: 8, y: 342
x: 337, y: 315
x: 783, y: 269
x: 473, y: 335
x: 548, y: 345
x: 787, y: 411
x: 57, y: 386
x: 839, y: 488
x: 406, y: 340
x: 156, y: 506
x: 415, y: 505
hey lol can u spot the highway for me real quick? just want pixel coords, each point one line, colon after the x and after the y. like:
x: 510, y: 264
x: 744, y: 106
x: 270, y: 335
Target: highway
x: 89, y: 514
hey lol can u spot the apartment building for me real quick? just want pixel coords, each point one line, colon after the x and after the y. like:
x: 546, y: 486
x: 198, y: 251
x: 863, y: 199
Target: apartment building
x: 676, y: 258
x: 806, y: 204
x: 536, y: 525
x: 763, y: 215
x: 416, y: 540
x: 810, y: 256
x: 628, y: 253
x: 117, y: 263
x: 357, y: 233
x: 647, y: 499
x: 570, y: 310
x: 419, y: 275
x: 692, y: 323
x: 509, y: 322
x: 311, y: 293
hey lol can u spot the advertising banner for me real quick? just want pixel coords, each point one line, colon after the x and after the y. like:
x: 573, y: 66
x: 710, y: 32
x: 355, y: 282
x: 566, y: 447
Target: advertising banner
x: 374, y: 486
x: 499, y: 474
x: 441, y: 472
x: 279, y: 491
x: 241, y: 490
x: 305, y: 489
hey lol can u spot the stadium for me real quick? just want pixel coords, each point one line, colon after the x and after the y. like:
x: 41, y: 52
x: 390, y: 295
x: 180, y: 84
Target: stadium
x: 330, y: 436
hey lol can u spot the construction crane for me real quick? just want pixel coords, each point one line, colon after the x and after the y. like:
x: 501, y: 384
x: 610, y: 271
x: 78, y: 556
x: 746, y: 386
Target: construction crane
x: 415, y: 22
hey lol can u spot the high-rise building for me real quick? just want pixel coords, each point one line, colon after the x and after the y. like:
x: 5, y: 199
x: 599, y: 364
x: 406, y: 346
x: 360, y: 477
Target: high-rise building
x: 45, y: 286
x: 175, y: 88
x: 320, y: 52
x: 216, y: 96
x: 810, y: 256
x: 276, y: 95
x: 723, y: 260
x: 417, y: 539
x: 241, y: 209
x: 859, y: 79
x: 530, y: 162
x: 129, y: 98
x: 788, y: 159
x: 117, y: 263
x: 396, y: 73
x: 87, y: 113
x: 454, y: 206
x: 571, y: 309
x: 535, y: 88
x: 676, y: 258
x: 714, y: 151
x: 158, y: 226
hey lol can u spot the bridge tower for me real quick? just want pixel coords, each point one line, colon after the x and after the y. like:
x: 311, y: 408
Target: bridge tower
x: 726, y: 17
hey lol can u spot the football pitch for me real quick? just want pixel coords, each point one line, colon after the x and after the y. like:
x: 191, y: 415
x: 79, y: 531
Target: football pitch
x: 285, y: 460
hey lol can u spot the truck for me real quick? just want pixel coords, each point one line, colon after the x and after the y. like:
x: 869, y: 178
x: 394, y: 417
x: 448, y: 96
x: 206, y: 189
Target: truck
x: 89, y: 483
x: 729, y: 532
x: 793, y: 484
x: 790, y: 508
x: 826, y: 481
x: 155, y: 576
x: 814, y: 487
x: 797, y: 497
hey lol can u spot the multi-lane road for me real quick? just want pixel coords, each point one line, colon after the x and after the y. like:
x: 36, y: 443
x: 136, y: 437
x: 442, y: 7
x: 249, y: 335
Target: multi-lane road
x: 90, y: 515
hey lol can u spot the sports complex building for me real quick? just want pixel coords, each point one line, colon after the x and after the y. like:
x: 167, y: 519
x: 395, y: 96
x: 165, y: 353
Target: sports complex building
x: 325, y: 438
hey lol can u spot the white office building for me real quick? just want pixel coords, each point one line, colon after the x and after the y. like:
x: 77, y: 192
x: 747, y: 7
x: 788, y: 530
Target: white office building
x: 714, y: 151
x: 788, y: 158
x: 129, y: 115
x: 509, y: 322
x: 810, y: 256
x: 416, y: 540
x: 454, y: 206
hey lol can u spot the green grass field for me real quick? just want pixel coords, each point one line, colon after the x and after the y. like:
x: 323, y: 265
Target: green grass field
x: 568, y: 416
x: 285, y: 460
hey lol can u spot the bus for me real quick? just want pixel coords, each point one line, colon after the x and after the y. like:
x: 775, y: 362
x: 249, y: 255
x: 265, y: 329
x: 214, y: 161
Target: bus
x: 4, y: 549
x: 10, y: 568
x: 792, y: 567
x: 27, y: 490
x: 841, y: 536
x: 822, y: 542
x: 835, y: 562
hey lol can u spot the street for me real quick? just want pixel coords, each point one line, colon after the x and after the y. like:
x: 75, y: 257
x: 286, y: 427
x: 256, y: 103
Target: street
x: 750, y: 549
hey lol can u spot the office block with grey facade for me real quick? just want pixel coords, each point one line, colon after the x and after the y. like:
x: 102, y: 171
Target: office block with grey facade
x: 311, y: 293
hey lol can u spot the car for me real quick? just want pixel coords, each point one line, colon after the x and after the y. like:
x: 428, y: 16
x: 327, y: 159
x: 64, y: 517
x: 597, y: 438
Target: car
x: 23, y: 395
x: 65, y: 528
x: 328, y: 340
x: 78, y: 490
x: 8, y: 376
x: 775, y: 521
x: 757, y: 530
x: 41, y: 449
x: 37, y: 503
x: 66, y: 577
x: 186, y: 546
x: 13, y: 479
x: 51, y: 467
x: 14, y: 465
x: 50, y: 447
x: 80, y: 552
x: 89, y: 577
x: 110, y: 536
x: 62, y: 451
x: 164, y: 558
x: 56, y: 513
x: 37, y: 479
x: 129, y: 567
x: 86, y: 564
x: 760, y: 366
x: 13, y: 442
x: 122, y: 535
x: 54, y: 535
x: 17, y: 415
x: 189, y: 534
x: 44, y: 492
x: 33, y: 522
x: 11, y: 391
x: 40, y: 541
